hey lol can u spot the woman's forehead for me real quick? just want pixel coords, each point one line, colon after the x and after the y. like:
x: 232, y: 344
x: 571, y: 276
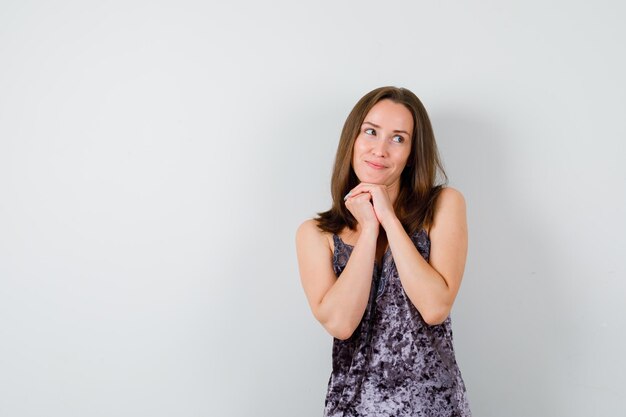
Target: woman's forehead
x: 390, y: 115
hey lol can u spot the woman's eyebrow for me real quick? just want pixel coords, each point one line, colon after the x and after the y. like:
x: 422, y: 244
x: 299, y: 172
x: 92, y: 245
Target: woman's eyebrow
x: 378, y: 127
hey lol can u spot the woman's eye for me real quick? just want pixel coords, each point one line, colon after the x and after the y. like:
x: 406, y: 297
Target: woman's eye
x: 368, y: 131
x: 400, y: 138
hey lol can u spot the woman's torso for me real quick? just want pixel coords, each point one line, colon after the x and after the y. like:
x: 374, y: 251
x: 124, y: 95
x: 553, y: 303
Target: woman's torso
x: 394, y: 364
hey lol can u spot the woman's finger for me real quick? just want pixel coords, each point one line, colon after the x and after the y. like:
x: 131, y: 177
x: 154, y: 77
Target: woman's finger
x: 362, y: 187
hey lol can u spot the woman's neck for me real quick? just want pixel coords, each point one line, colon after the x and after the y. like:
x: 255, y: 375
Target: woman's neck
x: 393, y: 190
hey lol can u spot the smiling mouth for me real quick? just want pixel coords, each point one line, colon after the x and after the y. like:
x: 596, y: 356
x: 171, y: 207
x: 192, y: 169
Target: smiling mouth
x: 375, y: 166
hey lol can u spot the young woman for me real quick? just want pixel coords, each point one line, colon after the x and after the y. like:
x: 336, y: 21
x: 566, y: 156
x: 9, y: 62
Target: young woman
x: 382, y: 267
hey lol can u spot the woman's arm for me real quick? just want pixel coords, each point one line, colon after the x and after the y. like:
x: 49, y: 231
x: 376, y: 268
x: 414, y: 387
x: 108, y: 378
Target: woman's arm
x: 337, y: 303
x: 432, y: 286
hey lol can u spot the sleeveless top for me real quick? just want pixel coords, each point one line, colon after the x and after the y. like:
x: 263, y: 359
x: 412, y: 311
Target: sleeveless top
x: 394, y: 364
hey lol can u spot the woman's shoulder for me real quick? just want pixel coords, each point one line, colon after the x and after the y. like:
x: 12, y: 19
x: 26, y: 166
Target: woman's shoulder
x: 449, y: 208
x: 451, y: 195
x: 308, y: 227
x: 308, y: 233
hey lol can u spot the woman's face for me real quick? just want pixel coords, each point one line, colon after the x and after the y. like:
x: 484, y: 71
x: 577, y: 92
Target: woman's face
x: 383, y: 144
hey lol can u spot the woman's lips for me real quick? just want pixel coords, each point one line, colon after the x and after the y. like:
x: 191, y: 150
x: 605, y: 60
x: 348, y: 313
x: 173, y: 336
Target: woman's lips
x: 373, y: 165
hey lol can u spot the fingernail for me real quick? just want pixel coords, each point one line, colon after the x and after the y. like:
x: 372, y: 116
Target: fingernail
x: 346, y: 197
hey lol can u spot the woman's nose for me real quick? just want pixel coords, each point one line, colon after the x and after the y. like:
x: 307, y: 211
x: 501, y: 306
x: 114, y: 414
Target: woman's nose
x: 380, y: 148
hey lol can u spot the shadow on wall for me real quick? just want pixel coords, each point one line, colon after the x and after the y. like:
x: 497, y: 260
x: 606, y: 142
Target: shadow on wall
x: 505, y: 318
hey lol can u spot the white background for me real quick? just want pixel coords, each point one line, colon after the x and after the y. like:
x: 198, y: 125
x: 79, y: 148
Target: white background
x: 156, y: 158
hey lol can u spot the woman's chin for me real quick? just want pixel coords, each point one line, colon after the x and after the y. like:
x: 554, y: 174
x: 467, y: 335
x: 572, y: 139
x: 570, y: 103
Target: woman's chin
x: 371, y: 180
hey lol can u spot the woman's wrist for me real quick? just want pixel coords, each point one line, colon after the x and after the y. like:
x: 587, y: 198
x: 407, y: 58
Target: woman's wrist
x: 371, y: 231
x: 391, y: 222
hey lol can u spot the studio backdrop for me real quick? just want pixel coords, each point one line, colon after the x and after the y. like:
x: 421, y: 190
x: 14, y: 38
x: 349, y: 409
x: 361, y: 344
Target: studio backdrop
x: 157, y: 157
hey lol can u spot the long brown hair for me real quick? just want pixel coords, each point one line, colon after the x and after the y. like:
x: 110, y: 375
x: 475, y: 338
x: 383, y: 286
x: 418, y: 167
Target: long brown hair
x: 414, y: 205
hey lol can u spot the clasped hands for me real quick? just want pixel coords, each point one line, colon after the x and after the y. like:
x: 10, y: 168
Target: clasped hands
x: 379, y: 211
